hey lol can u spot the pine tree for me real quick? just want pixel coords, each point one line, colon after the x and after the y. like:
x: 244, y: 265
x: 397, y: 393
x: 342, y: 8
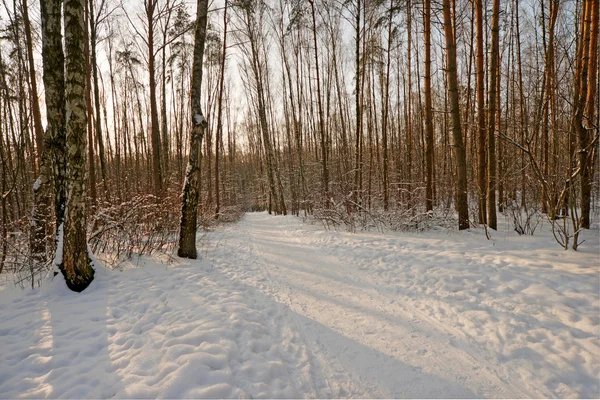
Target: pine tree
x: 459, y: 148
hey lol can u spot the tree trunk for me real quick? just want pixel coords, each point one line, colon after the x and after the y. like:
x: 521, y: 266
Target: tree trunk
x: 41, y: 190
x: 3, y: 202
x: 547, y: 206
x: 89, y: 113
x: 357, y: 163
x: 428, y: 108
x: 54, y: 85
x: 219, y: 134
x: 494, y: 66
x: 76, y: 265
x: 163, y: 98
x: 587, y: 102
x: 579, y: 124
x: 35, y: 106
x: 98, y: 127
x: 155, y: 127
x: 481, y: 135
x: 409, y: 140
x: 523, y: 109
x: 459, y: 148
x: 320, y: 107
x: 189, y: 207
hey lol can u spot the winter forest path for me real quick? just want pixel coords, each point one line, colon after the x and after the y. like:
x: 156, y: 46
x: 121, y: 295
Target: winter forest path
x: 371, y: 332
x: 276, y: 308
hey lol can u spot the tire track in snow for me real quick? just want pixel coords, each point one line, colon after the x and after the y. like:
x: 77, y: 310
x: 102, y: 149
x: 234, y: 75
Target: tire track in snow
x: 320, y: 383
x: 363, y: 261
x: 356, y: 343
x: 251, y: 272
x: 507, y: 385
x: 507, y: 381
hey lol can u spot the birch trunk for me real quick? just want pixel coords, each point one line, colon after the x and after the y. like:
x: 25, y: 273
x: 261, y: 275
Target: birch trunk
x: 54, y: 85
x: 76, y: 266
x: 189, y: 207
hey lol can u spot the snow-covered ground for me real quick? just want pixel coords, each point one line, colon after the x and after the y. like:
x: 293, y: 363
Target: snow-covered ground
x: 279, y: 309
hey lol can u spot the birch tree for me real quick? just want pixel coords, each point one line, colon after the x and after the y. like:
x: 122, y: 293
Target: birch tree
x: 76, y: 266
x: 189, y: 207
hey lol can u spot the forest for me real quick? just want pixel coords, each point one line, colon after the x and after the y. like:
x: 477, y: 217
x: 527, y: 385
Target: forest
x: 299, y: 199
x: 362, y: 114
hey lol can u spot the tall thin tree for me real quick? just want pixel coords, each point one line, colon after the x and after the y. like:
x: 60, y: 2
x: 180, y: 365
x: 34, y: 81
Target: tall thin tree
x: 320, y: 106
x: 457, y: 137
x: 428, y: 108
x: 189, y: 207
x: 219, y: 136
x: 494, y: 65
x: 481, y: 131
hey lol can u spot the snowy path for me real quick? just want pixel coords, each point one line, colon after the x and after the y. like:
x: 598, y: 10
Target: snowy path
x: 419, y: 317
x: 370, y: 345
x: 279, y: 309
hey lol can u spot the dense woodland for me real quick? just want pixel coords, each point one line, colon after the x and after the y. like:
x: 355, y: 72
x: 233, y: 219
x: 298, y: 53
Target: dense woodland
x: 370, y: 114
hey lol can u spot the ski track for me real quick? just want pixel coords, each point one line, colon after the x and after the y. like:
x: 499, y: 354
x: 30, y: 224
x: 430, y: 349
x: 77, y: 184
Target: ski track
x: 373, y: 329
x: 275, y: 308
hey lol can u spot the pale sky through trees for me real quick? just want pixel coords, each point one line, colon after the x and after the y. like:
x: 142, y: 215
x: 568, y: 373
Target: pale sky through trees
x: 299, y: 199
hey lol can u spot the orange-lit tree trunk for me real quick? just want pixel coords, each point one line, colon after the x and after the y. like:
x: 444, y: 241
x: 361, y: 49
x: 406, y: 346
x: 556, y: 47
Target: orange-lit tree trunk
x: 481, y: 132
x: 580, y: 124
x: 459, y: 148
x: 428, y: 108
x: 586, y: 123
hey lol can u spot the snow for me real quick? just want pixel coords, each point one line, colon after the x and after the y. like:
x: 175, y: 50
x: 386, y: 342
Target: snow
x: 280, y: 309
x: 58, y: 254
